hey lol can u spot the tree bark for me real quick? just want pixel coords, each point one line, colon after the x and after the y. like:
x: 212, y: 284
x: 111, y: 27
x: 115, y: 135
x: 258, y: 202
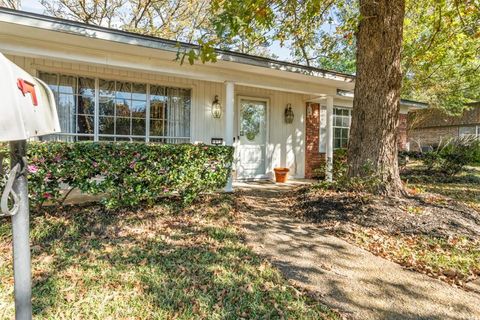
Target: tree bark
x: 373, y: 147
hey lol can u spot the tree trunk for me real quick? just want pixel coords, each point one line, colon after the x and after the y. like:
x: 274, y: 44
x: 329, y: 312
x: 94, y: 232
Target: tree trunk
x: 373, y: 147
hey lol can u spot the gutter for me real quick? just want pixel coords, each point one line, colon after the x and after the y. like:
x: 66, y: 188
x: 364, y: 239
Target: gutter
x: 414, y: 104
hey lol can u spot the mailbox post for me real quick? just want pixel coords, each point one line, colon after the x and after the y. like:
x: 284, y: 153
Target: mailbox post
x: 27, y: 110
x: 20, y: 233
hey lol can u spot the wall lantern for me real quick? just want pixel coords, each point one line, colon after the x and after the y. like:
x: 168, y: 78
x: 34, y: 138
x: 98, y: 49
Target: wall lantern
x: 216, y: 108
x: 289, y: 114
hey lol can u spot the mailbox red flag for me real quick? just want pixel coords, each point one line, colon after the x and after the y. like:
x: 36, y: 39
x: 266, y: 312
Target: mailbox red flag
x: 27, y: 87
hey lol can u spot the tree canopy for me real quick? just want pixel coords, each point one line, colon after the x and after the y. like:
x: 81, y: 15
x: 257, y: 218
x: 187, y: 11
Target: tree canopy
x: 441, y: 47
x: 12, y: 4
x: 179, y: 20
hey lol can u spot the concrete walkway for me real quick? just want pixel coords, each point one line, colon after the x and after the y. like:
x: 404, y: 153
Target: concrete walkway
x: 352, y: 280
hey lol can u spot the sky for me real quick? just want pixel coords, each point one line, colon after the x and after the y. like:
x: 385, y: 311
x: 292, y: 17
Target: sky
x: 34, y: 6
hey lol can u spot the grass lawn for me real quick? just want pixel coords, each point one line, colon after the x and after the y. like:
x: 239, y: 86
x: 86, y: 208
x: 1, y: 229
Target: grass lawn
x: 455, y: 260
x: 464, y: 187
x: 157, y: 263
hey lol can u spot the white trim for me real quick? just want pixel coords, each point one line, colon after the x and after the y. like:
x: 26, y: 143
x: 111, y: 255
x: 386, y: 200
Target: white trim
x: 264, y: 175
x: 329, y: 138
x: 134, y: 58
x: 229, y: 122
x: 125, y: 78
x: 193, y: 100
x: 96, y: 130
x: 229, y: 112
x: 147, y: 115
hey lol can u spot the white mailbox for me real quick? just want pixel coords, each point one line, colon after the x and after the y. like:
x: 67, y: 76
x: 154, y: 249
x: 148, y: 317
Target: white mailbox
x: 27, y: 109
x: 27, y: 105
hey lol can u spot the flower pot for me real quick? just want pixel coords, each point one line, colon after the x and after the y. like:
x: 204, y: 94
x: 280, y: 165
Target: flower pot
x: 281, y: 174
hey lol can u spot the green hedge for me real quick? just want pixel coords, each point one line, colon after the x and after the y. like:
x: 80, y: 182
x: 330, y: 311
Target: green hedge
x: 126, y: 173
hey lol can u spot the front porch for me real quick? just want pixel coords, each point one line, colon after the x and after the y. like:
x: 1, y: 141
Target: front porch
x: 271, y: 185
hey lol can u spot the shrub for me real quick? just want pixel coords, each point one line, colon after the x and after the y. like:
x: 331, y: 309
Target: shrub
x: 341, y: 181
x: 339, y: 165
x: 417, y: 155
x: 452, y: 157
x: 126, y: 174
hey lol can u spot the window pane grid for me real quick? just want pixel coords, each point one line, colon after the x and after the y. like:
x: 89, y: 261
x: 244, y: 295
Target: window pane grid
x: 122, y: 110
x: 341, y: 127
x: 75, y: 105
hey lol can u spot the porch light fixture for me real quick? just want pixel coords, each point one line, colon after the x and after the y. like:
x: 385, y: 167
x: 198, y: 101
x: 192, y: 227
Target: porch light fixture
x: 289, y: 116
x: 216, y: 108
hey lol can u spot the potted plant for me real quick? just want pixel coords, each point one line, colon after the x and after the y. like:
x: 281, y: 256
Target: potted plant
x: 281, y: 174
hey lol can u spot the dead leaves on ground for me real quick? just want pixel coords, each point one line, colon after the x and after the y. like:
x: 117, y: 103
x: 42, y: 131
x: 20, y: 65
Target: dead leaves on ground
x: 455, y: 260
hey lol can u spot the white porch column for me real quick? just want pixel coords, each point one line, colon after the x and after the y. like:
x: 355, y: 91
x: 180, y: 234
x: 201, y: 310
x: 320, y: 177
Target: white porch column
x: 229, y: 122
x: 329, y: 140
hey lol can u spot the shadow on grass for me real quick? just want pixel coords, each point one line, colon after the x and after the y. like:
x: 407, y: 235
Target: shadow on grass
x: 159, y: 266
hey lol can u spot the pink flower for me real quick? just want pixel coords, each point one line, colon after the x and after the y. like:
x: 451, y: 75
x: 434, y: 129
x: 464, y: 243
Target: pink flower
x: 57, y: 158
x: 47, y: 177
x: 95, y: 164
x: 132, y: 165
x: 47, y: 195
x: 32, y: 168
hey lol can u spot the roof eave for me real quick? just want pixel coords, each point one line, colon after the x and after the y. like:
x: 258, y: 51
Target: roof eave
x: 414, y: 105
x: 97, y: 32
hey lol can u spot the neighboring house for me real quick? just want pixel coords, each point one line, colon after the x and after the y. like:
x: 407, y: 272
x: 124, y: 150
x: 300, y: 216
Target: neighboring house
x: 429, y: 128
x: 112, y: 85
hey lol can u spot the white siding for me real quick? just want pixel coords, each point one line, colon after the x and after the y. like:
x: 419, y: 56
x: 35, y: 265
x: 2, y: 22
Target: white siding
x: 286, y: 146
x: 286, y: 141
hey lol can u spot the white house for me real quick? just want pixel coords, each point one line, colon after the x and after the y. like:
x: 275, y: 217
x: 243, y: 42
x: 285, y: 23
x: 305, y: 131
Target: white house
x: 112, y: 85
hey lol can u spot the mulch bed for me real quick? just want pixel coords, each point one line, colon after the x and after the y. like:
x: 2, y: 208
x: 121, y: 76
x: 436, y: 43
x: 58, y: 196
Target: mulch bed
x: 405, y: 230
x: 425, y: 214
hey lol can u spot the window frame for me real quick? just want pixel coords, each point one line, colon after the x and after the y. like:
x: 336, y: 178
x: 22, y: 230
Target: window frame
x: 322, y: 126
x: 131, y: 137
x: 475, y: 134
x: 341, y: 127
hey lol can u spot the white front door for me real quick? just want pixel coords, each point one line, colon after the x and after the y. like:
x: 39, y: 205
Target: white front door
x: 252, y: 138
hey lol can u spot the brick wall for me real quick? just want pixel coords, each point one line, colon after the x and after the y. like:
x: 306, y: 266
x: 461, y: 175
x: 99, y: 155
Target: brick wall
x: 313, y: 158
x: 430, y: 127
x: 424, y: 137
x: 431, y: 117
